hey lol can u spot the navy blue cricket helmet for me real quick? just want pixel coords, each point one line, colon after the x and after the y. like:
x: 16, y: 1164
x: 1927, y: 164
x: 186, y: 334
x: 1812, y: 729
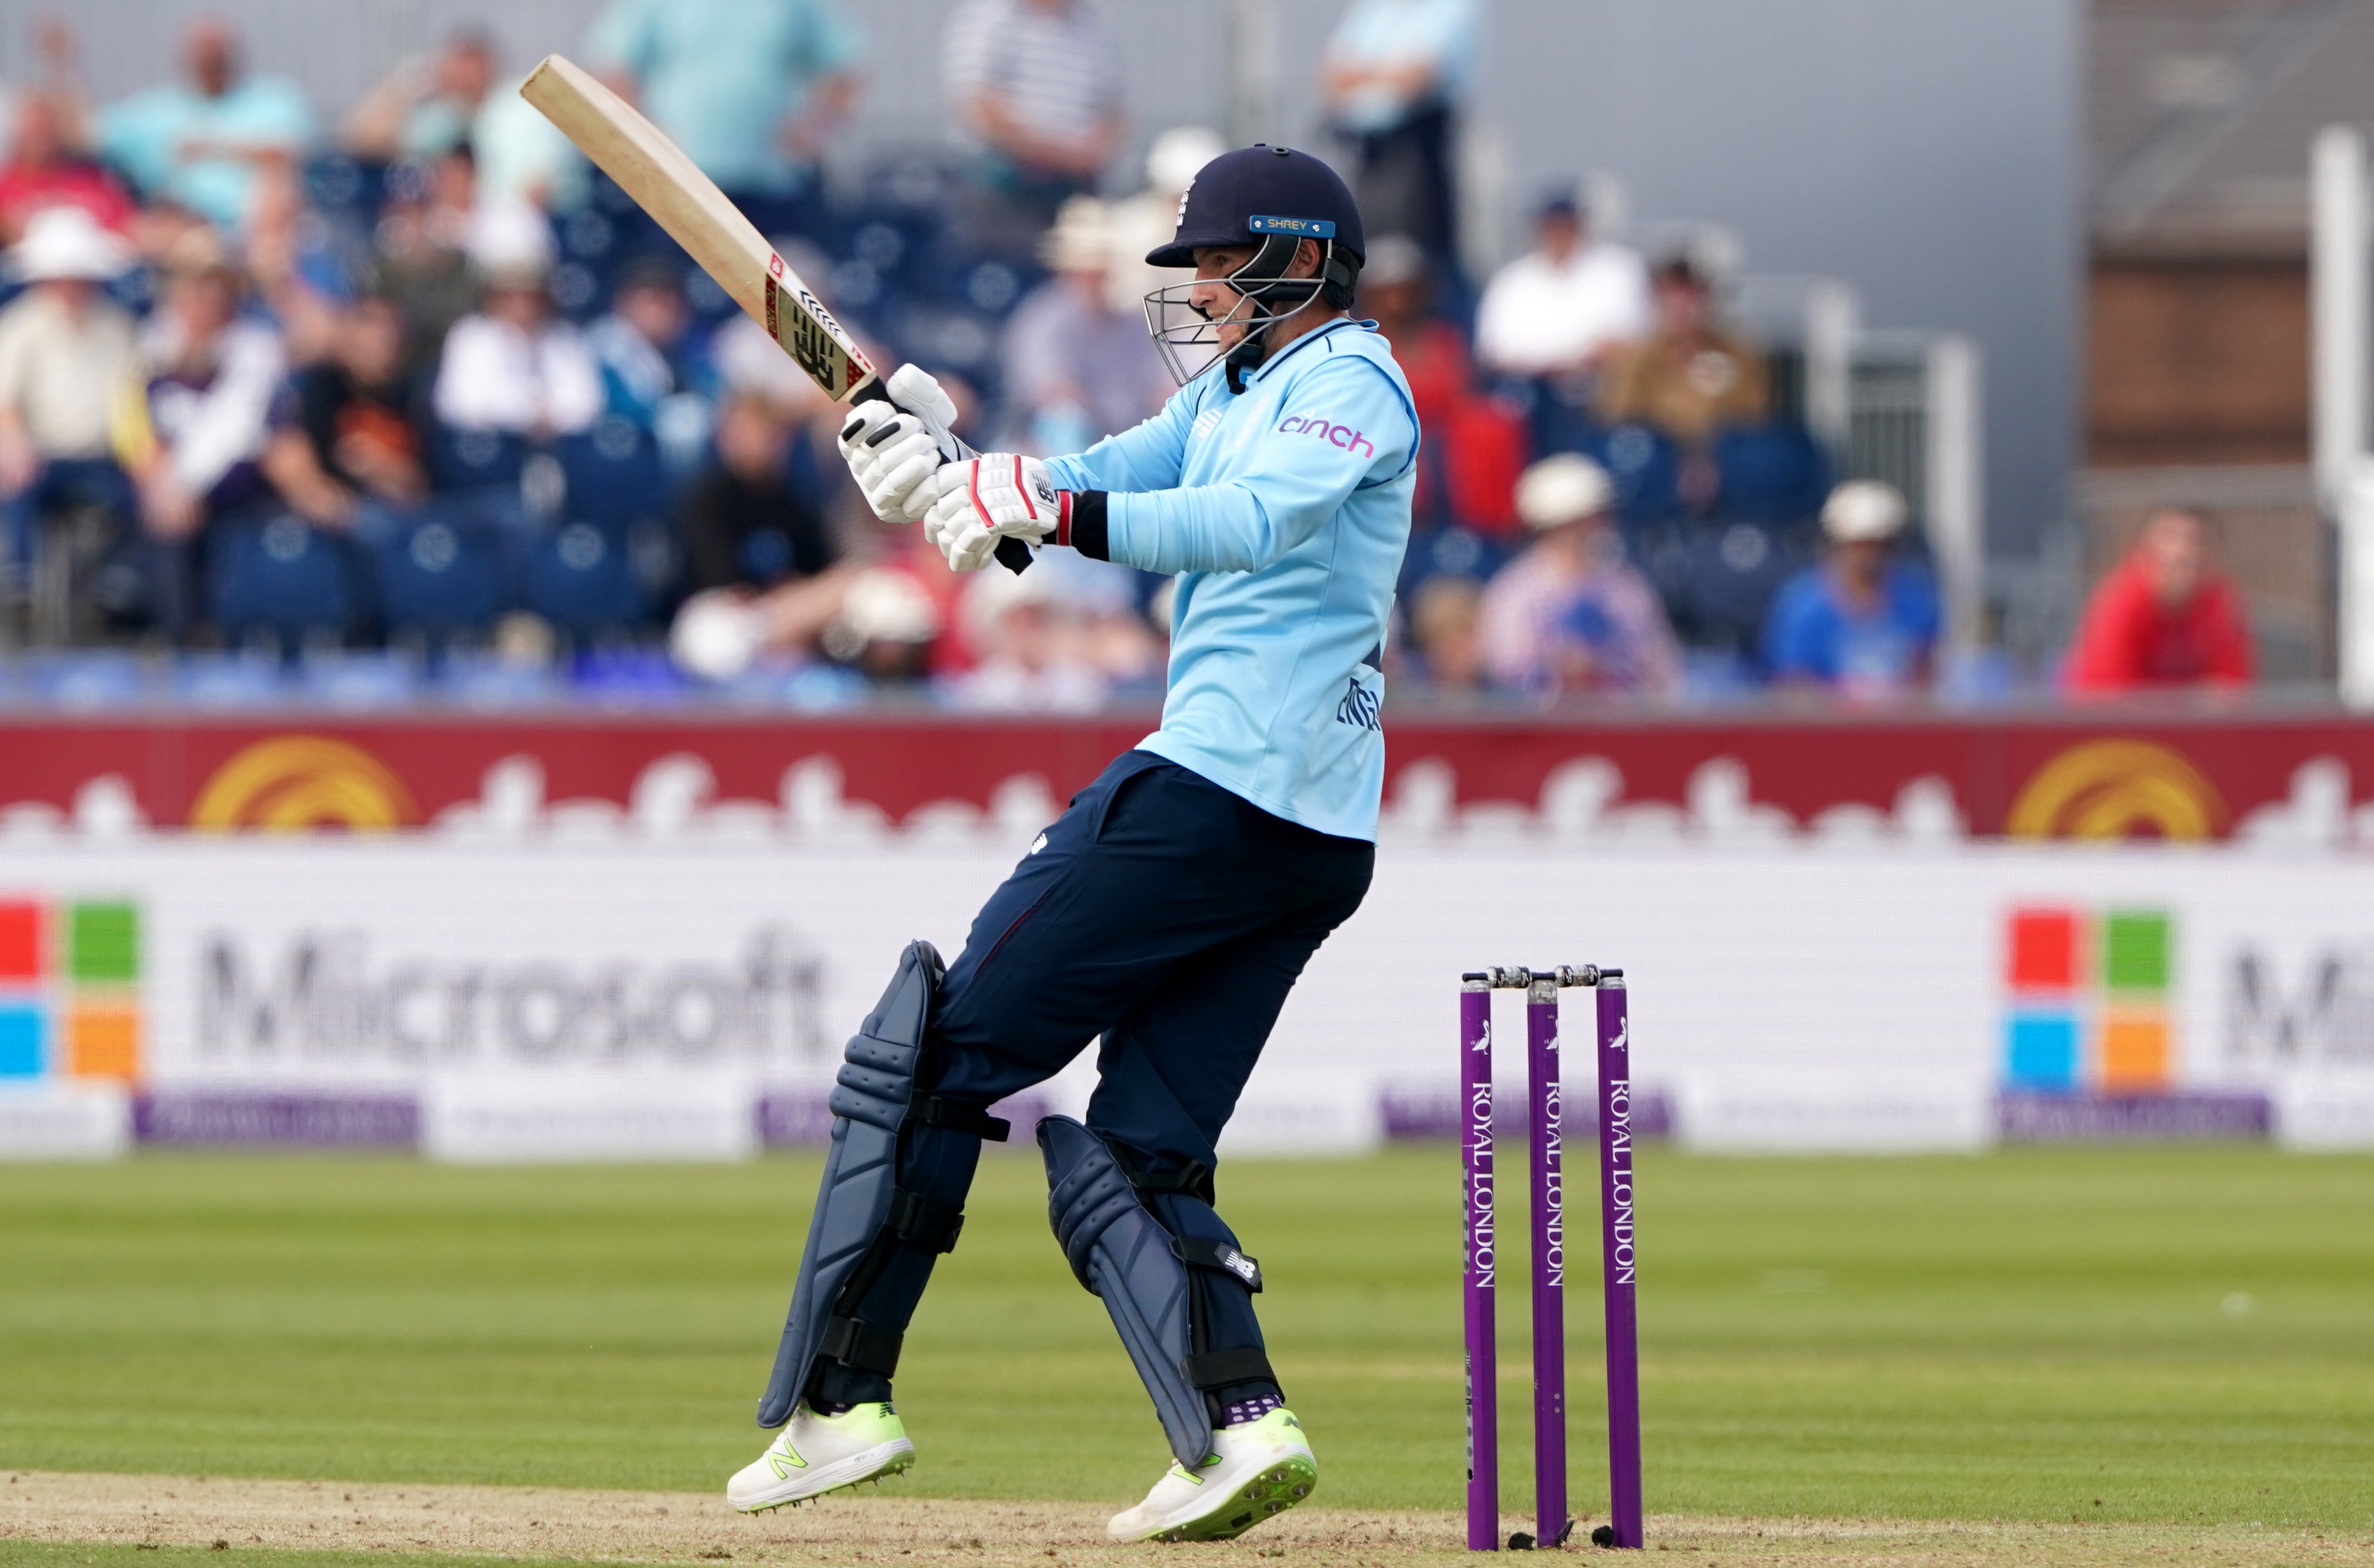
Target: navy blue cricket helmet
x: 1242, y: 197
x: 1272, y: 198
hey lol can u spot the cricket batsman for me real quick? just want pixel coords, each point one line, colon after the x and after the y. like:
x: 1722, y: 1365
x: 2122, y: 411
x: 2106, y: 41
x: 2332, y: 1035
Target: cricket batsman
x: 1169, y: 909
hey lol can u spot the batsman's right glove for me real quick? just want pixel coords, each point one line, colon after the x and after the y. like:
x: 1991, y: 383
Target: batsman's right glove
x: 894, y: 447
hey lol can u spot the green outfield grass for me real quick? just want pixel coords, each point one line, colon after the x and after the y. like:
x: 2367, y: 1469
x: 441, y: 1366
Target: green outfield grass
x: 2161, y: 1335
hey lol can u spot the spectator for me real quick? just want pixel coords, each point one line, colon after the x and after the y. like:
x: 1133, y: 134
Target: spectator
x: 1392, y: 82
x: 192, y: 431
x: 1047, y: 641
x: 428, y: 107
x: 1468, y: 466
x: 1038, y: 83
x: 1568, y: 614
x: 1688, y: 378
x: 884, y: 628
x: 211, y: 144
x: 750, y: 90
x: 744, y: 524
x: 639, y: 345
x: 1145, y: 221
x: 45, y: 170
x: 2163, y: 617
x: 1077, y: 369
x: 1446, y: 619
x: 1563, y: 309
x: 65, y: 349
x: 1861, y: 623
x: 1396, y: 290
x: 347, y: 436
x: 423, y: 251
x: 512, y: 366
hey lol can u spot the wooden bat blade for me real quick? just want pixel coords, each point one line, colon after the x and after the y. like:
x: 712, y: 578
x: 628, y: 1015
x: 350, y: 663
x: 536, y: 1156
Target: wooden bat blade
x: 695, y: 215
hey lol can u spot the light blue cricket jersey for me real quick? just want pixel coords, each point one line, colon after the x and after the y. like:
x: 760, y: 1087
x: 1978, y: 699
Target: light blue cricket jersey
x: 1284, y: 510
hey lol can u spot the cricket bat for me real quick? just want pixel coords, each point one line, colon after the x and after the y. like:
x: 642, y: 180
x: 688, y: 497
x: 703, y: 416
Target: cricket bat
x: 728, y: 246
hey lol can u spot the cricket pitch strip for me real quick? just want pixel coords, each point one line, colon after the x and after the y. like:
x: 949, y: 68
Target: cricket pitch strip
x: 262, y: 1517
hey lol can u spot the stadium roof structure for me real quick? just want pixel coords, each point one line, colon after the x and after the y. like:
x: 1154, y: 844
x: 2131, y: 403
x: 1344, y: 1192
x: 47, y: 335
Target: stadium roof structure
x: 2201, y: 116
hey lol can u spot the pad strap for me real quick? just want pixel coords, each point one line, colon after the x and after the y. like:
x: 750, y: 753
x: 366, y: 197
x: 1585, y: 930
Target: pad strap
x: 960, y: 1116
x: 1217, y: 1369
x: 856, y: 1343
x: 919, y: 1221
x: 1201, y: 1252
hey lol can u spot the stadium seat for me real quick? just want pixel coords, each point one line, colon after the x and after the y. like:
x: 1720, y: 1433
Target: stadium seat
x: 282, y: 580
x: 614, y: 474
x: 444, y: 572
x: 1644, y: 466
x: 472, y: 460
x: 1774, y: 471
x: 1737, y: 564
x: 583, y: 581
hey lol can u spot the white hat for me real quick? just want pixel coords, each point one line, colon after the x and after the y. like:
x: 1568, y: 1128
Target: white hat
x: 1081, y: 239
x: 1561, y: 489
x: 1862, y: 511
x: 1178, y: 154
x: 65, y: 241
x: 510, y: 242
x: 884, y: 605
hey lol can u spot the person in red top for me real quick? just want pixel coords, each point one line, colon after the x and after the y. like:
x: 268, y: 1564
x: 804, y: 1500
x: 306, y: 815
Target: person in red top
x: 2163, y: 617
x: 43, y: 171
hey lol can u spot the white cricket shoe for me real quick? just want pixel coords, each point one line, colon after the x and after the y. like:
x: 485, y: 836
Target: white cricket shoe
x: 814, y: 1455
x: 1254, y: 1470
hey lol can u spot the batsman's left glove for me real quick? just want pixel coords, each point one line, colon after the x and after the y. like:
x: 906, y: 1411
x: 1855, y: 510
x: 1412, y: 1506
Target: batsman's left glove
x: 999, y: 495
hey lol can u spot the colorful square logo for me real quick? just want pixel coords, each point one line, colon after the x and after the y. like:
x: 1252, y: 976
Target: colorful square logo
x: 69, y: 989
x: 2087, y: 1005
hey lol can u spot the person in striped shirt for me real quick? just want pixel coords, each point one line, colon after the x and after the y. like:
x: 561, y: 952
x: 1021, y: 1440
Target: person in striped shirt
x: 1038, y: 85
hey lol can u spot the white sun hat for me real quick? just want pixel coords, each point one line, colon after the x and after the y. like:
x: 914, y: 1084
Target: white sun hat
x: 1561, y: 489
x: 1081, y: 239
x: 1863, y: 512
x: 64, y: 243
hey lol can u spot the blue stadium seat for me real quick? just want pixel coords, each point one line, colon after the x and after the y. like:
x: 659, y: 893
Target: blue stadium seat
x: 585, y: 582
x: 615, y: 474
x: 282, y: 578
x: 442, y: 571
x: 1773, y: 471
x: 1737, y: 564
x: 1644, y: 466
x: 472, y: 460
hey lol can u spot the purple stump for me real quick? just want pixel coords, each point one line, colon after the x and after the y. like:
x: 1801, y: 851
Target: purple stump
x: 1617, y: 1262
x: 1482, y: 1257
x: 1549, y: 1261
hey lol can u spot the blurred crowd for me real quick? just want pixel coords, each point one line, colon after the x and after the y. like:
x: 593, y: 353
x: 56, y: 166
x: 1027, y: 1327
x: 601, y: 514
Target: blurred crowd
x: 416, y: 390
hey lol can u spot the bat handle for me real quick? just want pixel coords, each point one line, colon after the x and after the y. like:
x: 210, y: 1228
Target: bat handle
x: 1012, y: 554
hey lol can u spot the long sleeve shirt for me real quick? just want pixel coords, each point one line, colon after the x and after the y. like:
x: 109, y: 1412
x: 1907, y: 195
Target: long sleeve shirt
x: 1284, y: 510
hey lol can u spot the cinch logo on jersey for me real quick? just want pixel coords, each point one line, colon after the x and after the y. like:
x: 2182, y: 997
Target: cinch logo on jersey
x: 2088, y: 1003
x: 69, y: 989
x: 1343, y: 436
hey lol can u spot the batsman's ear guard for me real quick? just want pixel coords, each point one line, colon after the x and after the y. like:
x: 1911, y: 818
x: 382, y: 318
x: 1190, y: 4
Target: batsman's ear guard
x: 862, y: 1216
x: 1124, y: 1256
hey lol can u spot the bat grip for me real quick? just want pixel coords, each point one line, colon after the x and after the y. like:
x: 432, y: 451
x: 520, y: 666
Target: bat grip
x: 1012, y: 554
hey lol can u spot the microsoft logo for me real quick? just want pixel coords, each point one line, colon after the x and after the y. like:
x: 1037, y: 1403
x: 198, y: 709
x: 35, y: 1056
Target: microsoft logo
x: 69, y: 989
x: 2089, y: 1000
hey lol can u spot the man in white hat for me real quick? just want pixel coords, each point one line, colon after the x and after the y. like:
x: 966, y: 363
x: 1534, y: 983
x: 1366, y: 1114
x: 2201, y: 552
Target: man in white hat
x: 1862, y: 622
x: 65, y: 349
x: 1569, y: 615
x: 1077, y: 367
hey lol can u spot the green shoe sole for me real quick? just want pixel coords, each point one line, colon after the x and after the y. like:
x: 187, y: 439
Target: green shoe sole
x: 1274, y: 1491
x: 899, y: 1465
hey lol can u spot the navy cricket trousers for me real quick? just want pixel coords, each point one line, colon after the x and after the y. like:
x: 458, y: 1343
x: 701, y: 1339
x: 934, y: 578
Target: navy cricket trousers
x: 1169, y: 916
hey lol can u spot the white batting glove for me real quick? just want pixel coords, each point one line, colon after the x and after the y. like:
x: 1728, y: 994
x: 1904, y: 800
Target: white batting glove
x: 998, y: 495
x: 892, y: 457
